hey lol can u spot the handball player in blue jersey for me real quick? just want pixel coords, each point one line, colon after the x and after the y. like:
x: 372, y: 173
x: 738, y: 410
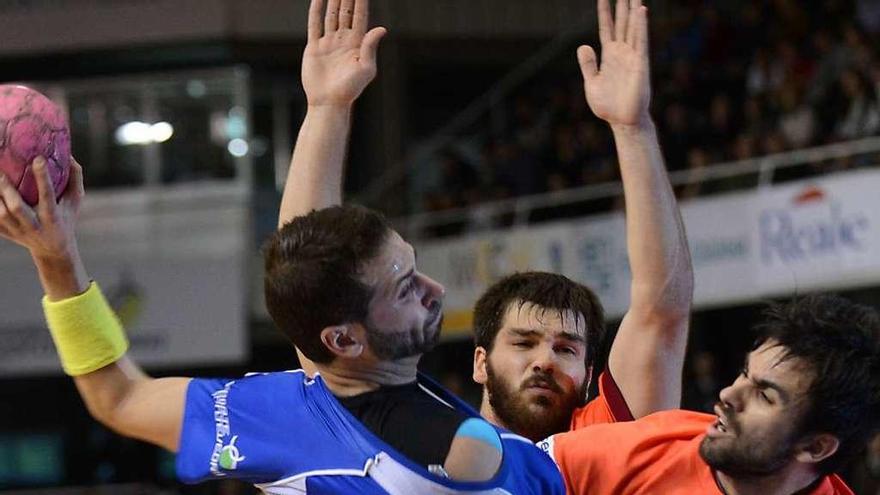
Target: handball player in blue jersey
x: 344, y: 287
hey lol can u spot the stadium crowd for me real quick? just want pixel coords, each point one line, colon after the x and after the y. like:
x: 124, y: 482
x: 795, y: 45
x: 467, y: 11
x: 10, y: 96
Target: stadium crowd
x: 734, y: 80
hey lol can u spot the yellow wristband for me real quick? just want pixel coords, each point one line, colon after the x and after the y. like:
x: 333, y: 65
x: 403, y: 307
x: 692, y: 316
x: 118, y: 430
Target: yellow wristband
x: 86, y: 332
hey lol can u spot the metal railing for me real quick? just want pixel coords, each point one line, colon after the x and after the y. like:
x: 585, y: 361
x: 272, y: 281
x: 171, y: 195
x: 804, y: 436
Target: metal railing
x: 521, y: 208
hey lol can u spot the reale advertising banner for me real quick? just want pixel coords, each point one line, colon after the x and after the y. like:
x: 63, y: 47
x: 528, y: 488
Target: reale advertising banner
x: 794, y: 238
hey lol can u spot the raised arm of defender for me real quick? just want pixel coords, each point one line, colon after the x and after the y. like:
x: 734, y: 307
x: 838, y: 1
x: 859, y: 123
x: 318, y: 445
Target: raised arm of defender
x: 116, y: 392
x: 647, y: 356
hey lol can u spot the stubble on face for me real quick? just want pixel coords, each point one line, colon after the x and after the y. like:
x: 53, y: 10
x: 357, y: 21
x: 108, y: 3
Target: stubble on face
x: 394, y: 345
x: 745, y: 454
x: 535, y: 418
x: 759, y: 445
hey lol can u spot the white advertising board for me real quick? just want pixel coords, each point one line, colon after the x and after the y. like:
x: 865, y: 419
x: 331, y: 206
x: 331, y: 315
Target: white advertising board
x: 171, y: 263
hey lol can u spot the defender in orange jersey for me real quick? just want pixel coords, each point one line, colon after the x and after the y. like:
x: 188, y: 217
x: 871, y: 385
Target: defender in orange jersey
x: 806, y: 402
x: 538, y: 334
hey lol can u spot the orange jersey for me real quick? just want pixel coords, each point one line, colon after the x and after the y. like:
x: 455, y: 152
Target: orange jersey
x: 608, y: 407
x: 656, y: 454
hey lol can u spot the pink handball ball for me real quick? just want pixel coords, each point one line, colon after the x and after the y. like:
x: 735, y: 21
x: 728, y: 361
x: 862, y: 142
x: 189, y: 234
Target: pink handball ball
x: 31, y: 125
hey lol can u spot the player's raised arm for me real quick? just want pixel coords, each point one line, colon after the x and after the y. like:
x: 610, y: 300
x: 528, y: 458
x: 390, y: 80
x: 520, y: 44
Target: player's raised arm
x: 338, y: 63
x: 89, y: 338
x: 647, y: 356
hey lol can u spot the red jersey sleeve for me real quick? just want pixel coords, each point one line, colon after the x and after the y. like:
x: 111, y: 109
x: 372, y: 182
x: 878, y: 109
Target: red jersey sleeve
x: 608, y: 407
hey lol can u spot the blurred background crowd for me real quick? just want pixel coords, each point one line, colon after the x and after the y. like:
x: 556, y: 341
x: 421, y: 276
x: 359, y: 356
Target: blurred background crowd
x: 734, y: 82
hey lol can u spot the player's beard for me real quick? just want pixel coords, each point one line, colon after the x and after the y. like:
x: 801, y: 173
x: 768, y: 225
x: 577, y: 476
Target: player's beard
x: 536, y: 420
x: 744, y: 455
x: 394, y: 345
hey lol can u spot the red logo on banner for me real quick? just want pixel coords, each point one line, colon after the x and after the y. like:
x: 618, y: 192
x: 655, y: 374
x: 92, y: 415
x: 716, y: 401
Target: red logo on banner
x: 810, y: 194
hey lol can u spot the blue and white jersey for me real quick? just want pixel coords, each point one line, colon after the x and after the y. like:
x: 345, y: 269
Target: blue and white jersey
x: 287, y: 434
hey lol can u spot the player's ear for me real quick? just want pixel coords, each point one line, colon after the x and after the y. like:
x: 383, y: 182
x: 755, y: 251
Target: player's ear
x: 342, y: 341
x: 480, y: 355
x: 817, y: 448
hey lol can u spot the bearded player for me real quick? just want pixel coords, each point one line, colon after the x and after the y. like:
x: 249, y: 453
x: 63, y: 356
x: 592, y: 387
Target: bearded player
x: 538, y: 334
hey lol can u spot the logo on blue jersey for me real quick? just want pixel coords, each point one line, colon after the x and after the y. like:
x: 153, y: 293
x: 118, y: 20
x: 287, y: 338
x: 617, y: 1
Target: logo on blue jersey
x: 230, y: 456
x: 225, y: 455
x: 547, y: 446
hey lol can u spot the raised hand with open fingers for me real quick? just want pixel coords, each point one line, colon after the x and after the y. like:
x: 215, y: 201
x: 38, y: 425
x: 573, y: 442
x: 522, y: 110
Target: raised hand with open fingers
x: 48, y: 229
x: 618, y: 91
x: 340, y: 58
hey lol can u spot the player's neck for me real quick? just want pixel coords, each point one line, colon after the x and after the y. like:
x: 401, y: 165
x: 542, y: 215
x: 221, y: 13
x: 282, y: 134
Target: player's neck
x: 348, y: 378
x: 788, y: 481
x: 488, y: 413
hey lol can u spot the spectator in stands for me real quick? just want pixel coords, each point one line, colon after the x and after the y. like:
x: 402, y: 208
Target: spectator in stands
x: 599, y: 160
x: 457, y: 178
x: 677, y: 135
x: 743, y: 147
x: 754, y: 116
x: 833, y: 58
x: 797, y: 120
x: 862, y: 116
x: 720, y: 126
x: 763, y: 74
x: 516, y: 170
x: 698, y: 160
x: 703, y: 385
x: 567, y: 157
x: 773, y: 143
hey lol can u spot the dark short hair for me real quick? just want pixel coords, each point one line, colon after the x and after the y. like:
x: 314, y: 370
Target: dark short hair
x: 549, y: 291
x: 839, y: 342
x: 313, y: 268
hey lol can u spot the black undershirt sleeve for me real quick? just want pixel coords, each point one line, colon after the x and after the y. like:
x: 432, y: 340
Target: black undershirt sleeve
x: 407, y: 418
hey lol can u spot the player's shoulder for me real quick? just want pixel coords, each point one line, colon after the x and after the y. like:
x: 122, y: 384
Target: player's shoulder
x: 262, y: 379
x: 529, y: 468
x: 677, y: 420
x: 257, y: 388
x: 670, y: 425
x: 834, y: 484
x: 291, y: 377
x: 674, y: 422
x: 522, y: 454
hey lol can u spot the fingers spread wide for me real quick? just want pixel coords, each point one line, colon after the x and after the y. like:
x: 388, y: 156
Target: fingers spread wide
x: 331, y: 19
x: 587, y: 60
x: 371, y: 45
x: 346, y: 14
x: 621, y: 12
x: 606, y: 24
x: 361, y: 19
x: 315, y: 10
